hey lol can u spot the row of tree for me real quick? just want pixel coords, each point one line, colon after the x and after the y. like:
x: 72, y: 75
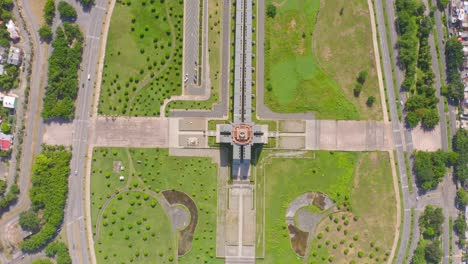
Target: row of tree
x: 62, y: 88
x: 460, y: 146
x: 48, y: 195
x: 430, y: 167
x: 429, y: 249
x: 454, y: 60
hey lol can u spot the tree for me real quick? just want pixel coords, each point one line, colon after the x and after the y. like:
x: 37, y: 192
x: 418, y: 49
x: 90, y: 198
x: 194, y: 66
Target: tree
x: 459, y: 225
x: 460, y: 146
x: 357, y: 89
x: 433, y: 252
x: 42, y: 261
x: 6, y: 128
x: 67, y: 11
x: 45, y: 32
x: 430, y: 118
x: 49, y: 11
x: 432, y: 220
x: 29, y: 221
x: 370, y: 101
x: 271, y: 11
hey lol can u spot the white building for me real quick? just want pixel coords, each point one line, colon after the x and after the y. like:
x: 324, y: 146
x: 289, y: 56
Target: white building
x: 13, y: 30
x: 9, y: 102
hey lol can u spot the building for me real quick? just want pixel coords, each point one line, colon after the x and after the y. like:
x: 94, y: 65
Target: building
x: 14, y: 56
x: 5, y: 142
x: 13, y: 30
x: 2, y: 69
x: 9, y: 102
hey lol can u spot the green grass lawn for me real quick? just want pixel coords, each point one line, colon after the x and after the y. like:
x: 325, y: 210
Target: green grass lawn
x: 214, y: 54
x: 346, y: 49
x: 139, y: 233
x: 298, y: 79
x: 143, y: 61
x: 362, y: 178
x: 373, y: 203
x: 153, y: 169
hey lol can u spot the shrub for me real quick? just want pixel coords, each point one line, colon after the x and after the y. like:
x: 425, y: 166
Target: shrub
x: 370, y: 101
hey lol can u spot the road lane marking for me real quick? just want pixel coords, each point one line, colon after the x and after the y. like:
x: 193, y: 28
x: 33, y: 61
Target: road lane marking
x: 92, y: 37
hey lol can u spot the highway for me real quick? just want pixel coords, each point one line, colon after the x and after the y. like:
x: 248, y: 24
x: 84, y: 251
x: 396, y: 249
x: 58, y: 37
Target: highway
x: 90, y: 22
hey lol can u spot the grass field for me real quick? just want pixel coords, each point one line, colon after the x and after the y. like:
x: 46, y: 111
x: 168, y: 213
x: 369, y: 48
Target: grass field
x: 347, y: 50
x: 214, y: 53
x: 141, y: 235
x: 301, y: 77
x: 143, y: 61
x: 153, y: 169
x: 364, y: 180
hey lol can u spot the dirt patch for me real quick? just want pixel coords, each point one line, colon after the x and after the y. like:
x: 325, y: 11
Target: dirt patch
x: 276, y: 4
x: 301, y: 47
x: 319, y: 200
x: 37, y: 6
x: 116, y: 166
x: 298, y: 240
x: 326, y: 54
x: 185, y: 235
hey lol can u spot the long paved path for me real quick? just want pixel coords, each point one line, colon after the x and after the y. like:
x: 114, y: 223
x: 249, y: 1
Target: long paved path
x: 90, y: 22
x: 396, y: 129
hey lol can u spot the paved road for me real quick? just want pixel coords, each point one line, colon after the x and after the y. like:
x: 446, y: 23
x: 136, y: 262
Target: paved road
x: 448, y: 188
x: 90, y: 22
x: 263, y: 112
x: 396, y: 129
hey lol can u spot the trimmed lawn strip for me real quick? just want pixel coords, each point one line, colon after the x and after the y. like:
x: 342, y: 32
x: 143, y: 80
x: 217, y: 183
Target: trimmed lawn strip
x: 143, y: 57
x: 154, y: 170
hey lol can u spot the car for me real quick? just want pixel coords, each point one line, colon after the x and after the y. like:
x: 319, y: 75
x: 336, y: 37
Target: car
x: 76, y: 172
x: 89, y: 76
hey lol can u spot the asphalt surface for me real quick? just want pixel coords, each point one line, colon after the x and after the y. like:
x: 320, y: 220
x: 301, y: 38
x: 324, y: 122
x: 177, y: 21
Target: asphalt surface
x: 191, y: 77
x: 397, y: 130
x: 220, y: 109
x: 90, y: 22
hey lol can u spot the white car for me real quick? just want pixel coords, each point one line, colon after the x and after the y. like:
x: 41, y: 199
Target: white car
x: 89, y: 76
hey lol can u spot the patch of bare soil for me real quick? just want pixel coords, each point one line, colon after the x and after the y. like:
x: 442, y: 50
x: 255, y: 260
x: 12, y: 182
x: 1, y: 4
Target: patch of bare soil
x: 186, y: 234
x: 326, y: 54
x: 298, y: 240
x: 116, y: 166
x: 276, y: 4
x: 37, y: 6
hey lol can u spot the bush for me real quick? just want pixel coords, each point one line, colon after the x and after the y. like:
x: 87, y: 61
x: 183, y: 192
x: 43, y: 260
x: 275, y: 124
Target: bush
x: 66, y: 11
x: 29, y: 221
x: 370, y: 101
x: 271, y: 11
x: 357, y: 89
x: 362, y: 77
